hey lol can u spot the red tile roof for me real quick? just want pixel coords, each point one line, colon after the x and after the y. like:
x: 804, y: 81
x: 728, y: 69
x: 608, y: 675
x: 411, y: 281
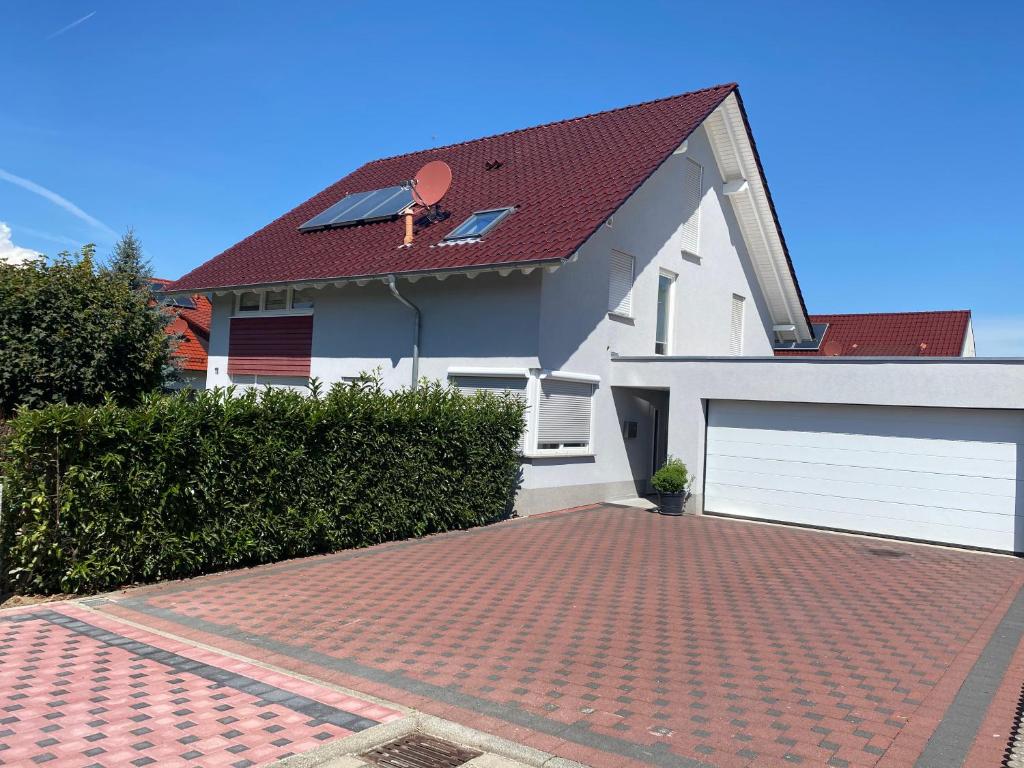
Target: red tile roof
x: 564, y: 178
x: 192, y: 328
x: 891, y: 334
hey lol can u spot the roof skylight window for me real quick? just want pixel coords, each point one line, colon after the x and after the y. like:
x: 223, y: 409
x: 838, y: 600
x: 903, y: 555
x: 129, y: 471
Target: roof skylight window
x: 479, y: 224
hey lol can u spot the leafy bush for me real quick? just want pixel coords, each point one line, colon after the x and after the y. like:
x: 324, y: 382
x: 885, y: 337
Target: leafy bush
x: 73, y: 332
x: 673, y: 477
x: 180, y: 485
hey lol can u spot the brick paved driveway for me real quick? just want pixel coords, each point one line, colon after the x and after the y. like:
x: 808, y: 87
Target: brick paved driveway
x: 618, y: 637
x: 82, y: 689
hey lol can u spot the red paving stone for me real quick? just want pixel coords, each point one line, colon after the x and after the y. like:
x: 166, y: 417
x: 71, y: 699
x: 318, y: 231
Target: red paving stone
x: 76, y: 691
x: 620, y: 637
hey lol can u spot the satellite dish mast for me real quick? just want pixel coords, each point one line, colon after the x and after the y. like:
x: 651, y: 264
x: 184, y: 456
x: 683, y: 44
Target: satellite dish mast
x: 428, y: 186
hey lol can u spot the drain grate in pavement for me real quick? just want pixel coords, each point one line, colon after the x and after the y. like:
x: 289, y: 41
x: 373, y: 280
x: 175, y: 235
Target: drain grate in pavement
x: 882, y: 552
x: 417, y: 750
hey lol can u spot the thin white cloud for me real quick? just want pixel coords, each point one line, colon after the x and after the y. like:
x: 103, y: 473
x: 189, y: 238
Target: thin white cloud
x: 57, y: 200
x: 70, y: 26
x: 999, y: 335
x: 11, y: 253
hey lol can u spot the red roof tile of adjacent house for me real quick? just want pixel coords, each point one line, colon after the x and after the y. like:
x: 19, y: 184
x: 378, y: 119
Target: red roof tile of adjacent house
x: 192, y: 329
x: 891, y: 334
x: 564, y: 179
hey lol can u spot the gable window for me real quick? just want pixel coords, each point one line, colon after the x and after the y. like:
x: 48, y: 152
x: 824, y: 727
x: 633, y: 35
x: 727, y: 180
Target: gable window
x: 693, y: 184
x: 478, y: 224
x: 564, y: 414
x: 736, y: 326
x: 665, y: 313
x: 469, y: 382
x: 620, y: 284
x: 302, y: 299
x: 249, y: 302
x: 277, y: 301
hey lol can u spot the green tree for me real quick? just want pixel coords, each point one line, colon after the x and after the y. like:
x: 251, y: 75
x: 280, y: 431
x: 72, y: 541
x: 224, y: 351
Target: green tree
x: 71, y: 332
x: 127, y: 261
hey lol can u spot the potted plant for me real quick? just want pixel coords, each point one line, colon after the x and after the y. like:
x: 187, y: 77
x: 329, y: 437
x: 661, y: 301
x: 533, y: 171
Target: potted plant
x: 672, y: 483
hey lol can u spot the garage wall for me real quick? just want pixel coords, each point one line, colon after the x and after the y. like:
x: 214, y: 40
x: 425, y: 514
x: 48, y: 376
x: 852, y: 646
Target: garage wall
x: 955, y: 383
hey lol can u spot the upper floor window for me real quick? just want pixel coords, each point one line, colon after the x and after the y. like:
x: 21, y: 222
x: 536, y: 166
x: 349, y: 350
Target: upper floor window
x: 479, y: 224
x: 693, y: 188
x: 276, y: 300
x: 666, y: 310
x: 736, y: 326
x: 620, y: 284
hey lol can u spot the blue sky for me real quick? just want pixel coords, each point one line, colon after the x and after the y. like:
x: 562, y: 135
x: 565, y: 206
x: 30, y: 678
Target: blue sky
x: 891, y: 133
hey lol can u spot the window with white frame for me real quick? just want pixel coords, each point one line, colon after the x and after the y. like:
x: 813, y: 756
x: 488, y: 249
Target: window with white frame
x: 736, y: 325
x: 250, y: 301
x: 564, y: 415
x: 665, y: 313
x: 245, y: 381
x: 693, y: 188
x: 471, y: 383
x: 278, y: 300
x: 620, y: 284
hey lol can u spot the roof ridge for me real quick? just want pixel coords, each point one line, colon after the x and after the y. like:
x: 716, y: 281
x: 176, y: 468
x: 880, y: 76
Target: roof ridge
x: 552, y: 123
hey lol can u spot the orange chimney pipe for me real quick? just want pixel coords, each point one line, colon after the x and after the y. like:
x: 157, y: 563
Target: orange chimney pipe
x: 408, y: 229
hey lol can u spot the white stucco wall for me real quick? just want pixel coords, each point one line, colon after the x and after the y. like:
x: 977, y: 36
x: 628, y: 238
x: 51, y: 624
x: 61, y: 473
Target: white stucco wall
x: 579, y: 335
x: 969, y: 349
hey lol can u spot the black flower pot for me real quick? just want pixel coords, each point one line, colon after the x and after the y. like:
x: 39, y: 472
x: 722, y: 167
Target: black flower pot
x: 671, y: 503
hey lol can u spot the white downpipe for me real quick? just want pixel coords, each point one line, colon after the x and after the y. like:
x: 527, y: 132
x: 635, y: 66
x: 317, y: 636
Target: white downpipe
x: 416, y: 332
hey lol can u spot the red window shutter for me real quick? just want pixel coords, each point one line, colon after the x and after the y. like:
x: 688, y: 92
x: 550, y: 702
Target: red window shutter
x: 271, y: 346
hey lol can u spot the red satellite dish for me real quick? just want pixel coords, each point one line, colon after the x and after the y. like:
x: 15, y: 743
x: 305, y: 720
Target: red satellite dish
x: 833, y: 349
x: 431, y: 182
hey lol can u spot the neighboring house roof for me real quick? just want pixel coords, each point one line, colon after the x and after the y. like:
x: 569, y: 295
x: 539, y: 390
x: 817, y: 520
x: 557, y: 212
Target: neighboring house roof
x: 565, y: 179
x: 192, y: 329
x: 891, y: 334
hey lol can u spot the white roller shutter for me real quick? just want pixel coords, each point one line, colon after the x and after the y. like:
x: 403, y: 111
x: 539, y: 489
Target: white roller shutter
x: 564, y: 414
x: 693, y: 183
x: 620, y: 284
x: 515, y: 385
x: 470, y: 385
x: 949, y: 475
x: 736, y: 327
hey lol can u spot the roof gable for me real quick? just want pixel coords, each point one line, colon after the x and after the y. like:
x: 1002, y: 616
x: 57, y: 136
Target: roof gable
x: 563, y: 178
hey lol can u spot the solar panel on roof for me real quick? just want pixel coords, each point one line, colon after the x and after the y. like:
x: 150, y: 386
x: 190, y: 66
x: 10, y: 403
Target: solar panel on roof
x: 185, y: 302
x: 362, y: 206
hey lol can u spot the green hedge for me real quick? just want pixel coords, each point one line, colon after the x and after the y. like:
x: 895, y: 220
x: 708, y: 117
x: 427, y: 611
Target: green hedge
x: 98, y: 497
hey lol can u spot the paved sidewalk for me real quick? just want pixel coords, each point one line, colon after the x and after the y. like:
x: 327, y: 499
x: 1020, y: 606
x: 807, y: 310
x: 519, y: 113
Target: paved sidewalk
x: 79, y: 688
x: 617, y: 637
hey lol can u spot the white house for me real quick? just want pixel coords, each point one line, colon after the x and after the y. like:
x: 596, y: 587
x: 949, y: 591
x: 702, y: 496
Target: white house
x: 625, y: 273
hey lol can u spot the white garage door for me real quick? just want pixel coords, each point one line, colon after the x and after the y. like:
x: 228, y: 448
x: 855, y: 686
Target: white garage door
x: 935, y: 474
